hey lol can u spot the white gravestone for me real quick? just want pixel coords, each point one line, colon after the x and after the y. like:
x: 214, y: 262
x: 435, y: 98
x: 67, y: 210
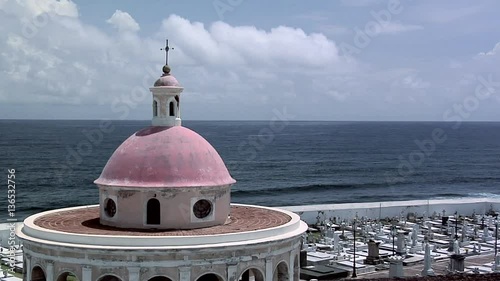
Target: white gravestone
x: 428, y: 271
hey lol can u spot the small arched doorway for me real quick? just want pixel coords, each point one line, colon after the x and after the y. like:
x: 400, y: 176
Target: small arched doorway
x: 252, y: 274
x: 153, y: 211
x: 67, y: 276
x: 109, y: 278
x: 37, y: 274
x: 210, y: 277
x: 160, y: 278
x: 281, y: 272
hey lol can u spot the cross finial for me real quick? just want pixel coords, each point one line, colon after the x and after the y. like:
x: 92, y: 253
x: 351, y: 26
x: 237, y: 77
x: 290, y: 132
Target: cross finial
x: 166, y: 49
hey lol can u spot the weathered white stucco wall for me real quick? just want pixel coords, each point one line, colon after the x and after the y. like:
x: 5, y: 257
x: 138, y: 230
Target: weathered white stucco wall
x: 376, y: 210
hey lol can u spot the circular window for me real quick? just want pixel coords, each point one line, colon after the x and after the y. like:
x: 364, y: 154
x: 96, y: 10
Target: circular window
x: 202, y: 208
x: 110, y: 207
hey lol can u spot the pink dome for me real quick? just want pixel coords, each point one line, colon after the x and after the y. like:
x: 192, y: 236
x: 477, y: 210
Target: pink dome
x: 165, y: 157
x: 167, y: 80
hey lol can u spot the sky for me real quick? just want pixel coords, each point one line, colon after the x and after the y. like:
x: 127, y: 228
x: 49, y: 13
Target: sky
x: 357, y: 60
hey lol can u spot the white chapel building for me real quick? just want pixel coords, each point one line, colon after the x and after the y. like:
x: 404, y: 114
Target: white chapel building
x: 164, y: 214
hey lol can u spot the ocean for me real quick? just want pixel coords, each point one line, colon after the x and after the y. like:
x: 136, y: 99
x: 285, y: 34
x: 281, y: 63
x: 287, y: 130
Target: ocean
x: 275, y: 163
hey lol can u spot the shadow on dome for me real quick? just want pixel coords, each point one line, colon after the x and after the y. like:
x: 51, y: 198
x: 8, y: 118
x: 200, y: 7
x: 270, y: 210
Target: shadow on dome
x: 151, y: 130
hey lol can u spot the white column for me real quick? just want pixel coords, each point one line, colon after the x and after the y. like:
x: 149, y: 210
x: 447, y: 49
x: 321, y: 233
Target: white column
x: 133, y: 273
x: 185, y: 273
x: 231, y: 273
x: 291, y: 276
x: 49, y: 270
x: 27, y: 267
x: 162, y: 108
x: 179, y: 109
x: 86, y: 273
x: 269, y: 269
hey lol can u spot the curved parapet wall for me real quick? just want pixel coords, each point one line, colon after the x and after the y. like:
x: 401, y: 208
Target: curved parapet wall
x: 79, y: 227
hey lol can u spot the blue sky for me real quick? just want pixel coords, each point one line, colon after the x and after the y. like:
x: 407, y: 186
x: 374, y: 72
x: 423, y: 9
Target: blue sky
x: 246, y: 60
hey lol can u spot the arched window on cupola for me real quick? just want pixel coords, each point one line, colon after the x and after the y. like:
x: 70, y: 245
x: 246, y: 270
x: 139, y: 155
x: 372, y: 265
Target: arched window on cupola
x: 171, y: 109
x: 178, y: 102
x: 155, y: 108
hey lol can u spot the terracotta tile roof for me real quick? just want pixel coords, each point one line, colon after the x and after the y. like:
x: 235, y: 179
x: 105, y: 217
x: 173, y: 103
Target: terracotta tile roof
x: 86, y: 221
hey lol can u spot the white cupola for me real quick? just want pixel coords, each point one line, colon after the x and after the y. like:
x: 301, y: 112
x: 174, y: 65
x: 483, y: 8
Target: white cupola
x: 166, y: 100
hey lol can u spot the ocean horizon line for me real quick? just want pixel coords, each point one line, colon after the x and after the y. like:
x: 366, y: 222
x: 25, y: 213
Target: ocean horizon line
x: 260, y: 120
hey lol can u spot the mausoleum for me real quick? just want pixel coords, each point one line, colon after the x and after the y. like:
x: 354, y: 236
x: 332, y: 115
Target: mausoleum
x: 164, y: 214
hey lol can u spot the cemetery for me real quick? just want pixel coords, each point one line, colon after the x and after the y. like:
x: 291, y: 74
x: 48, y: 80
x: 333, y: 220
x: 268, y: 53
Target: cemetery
x: 363, y: 248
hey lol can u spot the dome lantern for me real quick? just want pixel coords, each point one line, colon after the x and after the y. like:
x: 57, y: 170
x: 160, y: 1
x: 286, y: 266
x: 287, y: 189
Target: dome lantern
x: 166, y: 97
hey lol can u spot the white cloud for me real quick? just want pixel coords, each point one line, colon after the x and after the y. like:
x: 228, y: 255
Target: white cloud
x: 123, y: 21
x: 33, y: 8
x: 228, y: 71
x: 229, y: 45
x: 491, y: 52
x: 66, y: 61
x: 61, y: 8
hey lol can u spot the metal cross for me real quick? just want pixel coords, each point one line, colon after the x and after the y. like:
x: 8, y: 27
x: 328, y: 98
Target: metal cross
x: 166, y: 49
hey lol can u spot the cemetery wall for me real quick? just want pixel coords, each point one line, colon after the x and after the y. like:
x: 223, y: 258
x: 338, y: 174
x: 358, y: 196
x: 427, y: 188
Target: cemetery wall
x: 391, y: 209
